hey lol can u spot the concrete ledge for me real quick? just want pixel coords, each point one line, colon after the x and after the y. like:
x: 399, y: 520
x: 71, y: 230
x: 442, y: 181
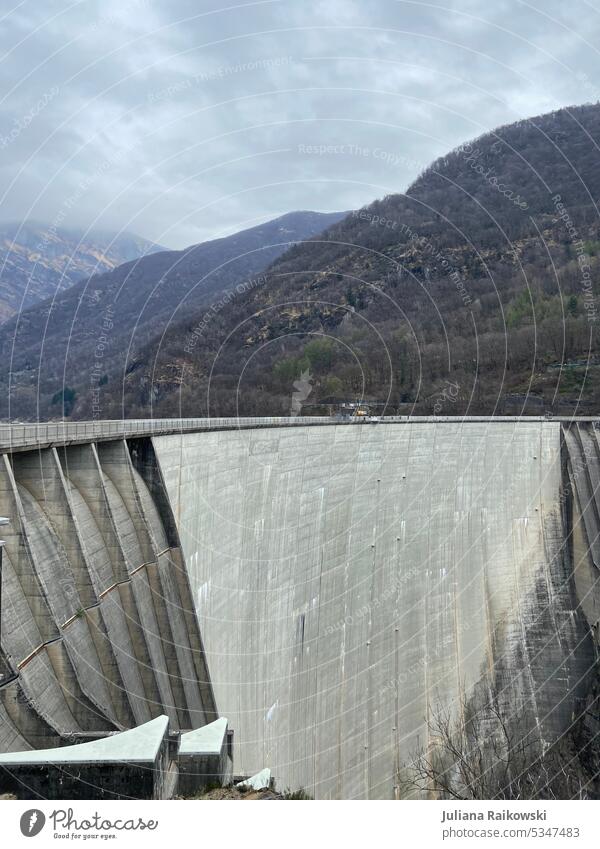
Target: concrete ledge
x: 260, y: 781
x: 204, y: 757
x: 141, y: 744
x: 139, y: 763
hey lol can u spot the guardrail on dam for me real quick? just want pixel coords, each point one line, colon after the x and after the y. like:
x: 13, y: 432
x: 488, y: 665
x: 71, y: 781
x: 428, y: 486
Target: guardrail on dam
x: 346, y: 580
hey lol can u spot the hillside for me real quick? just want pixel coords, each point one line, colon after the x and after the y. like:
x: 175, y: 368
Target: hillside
x: 69, y: 347
x: 37, y: 260
x: 476, y: 292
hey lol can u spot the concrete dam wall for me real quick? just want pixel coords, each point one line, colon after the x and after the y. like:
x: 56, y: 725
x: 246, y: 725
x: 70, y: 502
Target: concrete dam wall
x: 350, y: 580
x: 326, y: 587
x: 98, y: 629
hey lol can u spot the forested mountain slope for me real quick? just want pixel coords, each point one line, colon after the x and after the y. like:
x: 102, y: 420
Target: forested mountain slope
x: 62, y: 351
x: 476, y: 292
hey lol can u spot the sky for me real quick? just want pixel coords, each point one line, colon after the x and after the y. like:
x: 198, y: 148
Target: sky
x: 187, y: 120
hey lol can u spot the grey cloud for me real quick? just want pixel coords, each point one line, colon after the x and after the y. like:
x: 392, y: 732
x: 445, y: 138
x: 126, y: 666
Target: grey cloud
x: 184, y: 121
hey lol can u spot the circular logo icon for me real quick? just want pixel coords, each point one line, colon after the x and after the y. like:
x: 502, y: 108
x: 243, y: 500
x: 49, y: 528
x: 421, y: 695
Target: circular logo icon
x: 32, y: 822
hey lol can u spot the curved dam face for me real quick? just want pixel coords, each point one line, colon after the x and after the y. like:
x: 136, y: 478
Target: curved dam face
x: 350, y: 581
x: 329, y: 588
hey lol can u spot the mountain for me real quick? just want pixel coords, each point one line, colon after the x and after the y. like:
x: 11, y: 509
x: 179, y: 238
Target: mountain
x: 38, y: 260
x: 66, y: 348
x: 475, y: 292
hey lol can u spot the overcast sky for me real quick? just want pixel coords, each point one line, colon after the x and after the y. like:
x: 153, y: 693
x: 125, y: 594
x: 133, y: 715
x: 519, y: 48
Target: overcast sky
x: 184, y: 120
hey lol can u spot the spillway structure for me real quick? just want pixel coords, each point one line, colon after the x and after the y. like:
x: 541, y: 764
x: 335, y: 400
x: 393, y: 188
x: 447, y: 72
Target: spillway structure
x: 324, y: 585
x: 99, y: 632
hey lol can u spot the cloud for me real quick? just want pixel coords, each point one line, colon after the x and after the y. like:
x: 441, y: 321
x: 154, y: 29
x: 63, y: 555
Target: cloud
x: 184, y: 122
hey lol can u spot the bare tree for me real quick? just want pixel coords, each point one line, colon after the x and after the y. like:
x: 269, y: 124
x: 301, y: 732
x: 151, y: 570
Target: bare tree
x: 485, y: 756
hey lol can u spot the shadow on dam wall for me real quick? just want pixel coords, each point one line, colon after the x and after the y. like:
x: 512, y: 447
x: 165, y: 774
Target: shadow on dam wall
x: 350, y: 580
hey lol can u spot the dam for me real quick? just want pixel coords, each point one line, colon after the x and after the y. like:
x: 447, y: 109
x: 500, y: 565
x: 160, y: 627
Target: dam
x: 324, y: 585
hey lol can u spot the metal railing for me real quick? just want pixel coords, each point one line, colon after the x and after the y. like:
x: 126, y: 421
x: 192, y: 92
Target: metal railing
x: 16, y: 435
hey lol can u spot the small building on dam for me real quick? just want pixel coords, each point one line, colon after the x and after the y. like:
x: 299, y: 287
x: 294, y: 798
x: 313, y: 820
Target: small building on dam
x: 327, y: 586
